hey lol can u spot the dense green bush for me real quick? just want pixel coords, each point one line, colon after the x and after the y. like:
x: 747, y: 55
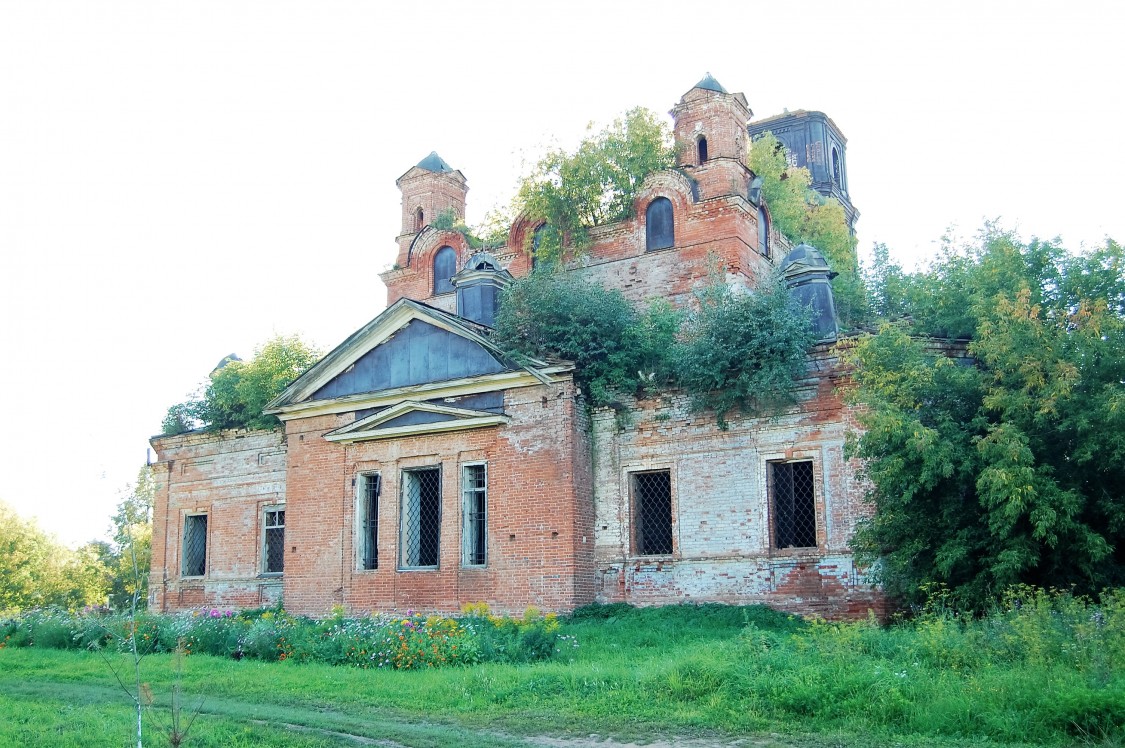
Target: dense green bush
x: 405, y: 642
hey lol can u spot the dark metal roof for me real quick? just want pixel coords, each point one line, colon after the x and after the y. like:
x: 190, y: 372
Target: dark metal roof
x: 434, y: 162
x: 710, y: 84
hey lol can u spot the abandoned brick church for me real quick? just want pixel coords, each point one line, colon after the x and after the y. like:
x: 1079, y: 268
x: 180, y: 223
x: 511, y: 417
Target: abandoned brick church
x: 418, y: 466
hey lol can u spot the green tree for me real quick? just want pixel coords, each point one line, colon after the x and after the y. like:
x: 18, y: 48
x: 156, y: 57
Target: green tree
x: 1009, y: 466
x: 741, y: 350
x: 36, y: 570
x: 239, y: 390
x: 617, y: 348
x: 128, y: 557
x: 803, y: 215
x: 573, y: 192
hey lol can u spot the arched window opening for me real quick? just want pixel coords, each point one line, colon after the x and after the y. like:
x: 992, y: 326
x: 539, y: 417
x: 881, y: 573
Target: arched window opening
x: 763, y: 232
x: 536, y: 238
x: 659, y: 228
x: 445, y: 267
x: 836, y: 166
x: 702, y: 149
x: 419, y: 220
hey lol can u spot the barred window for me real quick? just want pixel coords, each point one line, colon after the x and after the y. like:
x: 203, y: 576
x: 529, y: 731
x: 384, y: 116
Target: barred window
x: 273, y: 548
x: 474, y: 510
x: 652, y: 510
x: 793, y: 498
x: 368, y: 520
x: 420, y: 527
x: 195, y: 545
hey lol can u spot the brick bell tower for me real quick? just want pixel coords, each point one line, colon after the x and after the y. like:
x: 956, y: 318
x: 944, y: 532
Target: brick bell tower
x: 711, y: 137
x: 429, y: 189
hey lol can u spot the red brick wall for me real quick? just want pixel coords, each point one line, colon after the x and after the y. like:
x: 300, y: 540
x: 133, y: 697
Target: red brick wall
x: 231, y: 477
x: 722, y: 517
x: 540, y: 544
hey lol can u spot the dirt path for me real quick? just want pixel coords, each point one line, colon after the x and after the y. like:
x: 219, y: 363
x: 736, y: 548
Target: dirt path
x: 373, y: 729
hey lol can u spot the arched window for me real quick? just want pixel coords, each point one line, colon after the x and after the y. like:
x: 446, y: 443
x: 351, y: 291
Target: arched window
x: 536, y: 238
x: 659, y: 229
x: 419, y: 220
x: 702, y: 149
x: 763, y: 232
x: 445, y: 267
x: 836, y: 167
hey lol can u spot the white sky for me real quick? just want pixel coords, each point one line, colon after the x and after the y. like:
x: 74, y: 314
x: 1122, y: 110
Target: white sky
x: 179, y: 181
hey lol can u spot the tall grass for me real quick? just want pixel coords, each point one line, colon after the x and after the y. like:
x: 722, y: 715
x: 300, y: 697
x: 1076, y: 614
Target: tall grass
x: 1041, y: 669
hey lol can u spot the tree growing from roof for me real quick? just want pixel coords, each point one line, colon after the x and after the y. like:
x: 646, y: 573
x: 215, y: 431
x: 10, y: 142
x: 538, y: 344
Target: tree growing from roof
x: 616, y: 347
x: 1010, y: 469
x: 239, y: 390
x: 596, y: 184
x: 803, y: 215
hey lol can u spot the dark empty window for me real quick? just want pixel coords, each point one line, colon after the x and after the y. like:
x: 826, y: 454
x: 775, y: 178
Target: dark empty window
x: 794, y: 504
x: 273, y: 549
x: 652, y: 509
x: 702, y: 149
x: 368, y: 519
x: 659, y: 229
x: 421, y: 518
x: 419, y: 220
x: 763, y: 232
x: 536, y: 240
x: 474, y: 508
x: 195, y: 545
x: 836, y: 166
x: 445, y: 267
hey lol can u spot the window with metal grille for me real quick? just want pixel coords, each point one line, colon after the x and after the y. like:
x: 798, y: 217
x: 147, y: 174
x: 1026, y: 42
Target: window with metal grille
x: 474, y: 510
x: 273, y: 548
x: 652, y: 509
x: 195, y: 545
x: 794, y: 504
x: 369, y: 488
x: 420, y: 527
x: 659, y: 229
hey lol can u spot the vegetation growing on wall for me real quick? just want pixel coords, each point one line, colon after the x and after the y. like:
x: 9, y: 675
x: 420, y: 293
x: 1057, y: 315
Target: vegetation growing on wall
x: 741, y: 351
x: 617, y: 347
x: 239, y: 390
x: 1009, y: 469
x: 573, y: 192
x: 737, y: 351
x: 803, y: 215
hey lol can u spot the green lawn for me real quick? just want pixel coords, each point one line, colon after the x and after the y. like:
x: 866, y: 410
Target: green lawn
x: 709, y: 672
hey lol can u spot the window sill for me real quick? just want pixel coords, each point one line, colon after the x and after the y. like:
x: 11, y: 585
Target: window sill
x: 271, y: 575
x: 419, y: 568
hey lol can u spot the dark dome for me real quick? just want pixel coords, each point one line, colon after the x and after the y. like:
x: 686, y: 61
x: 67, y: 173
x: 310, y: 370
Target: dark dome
x: 710, y: 84
x: 806, y: 255
x: 434, y: 162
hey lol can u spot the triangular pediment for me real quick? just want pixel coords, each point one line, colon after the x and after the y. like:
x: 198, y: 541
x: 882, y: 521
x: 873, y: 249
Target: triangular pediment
x: 410, y: 417
x: 410, y: 347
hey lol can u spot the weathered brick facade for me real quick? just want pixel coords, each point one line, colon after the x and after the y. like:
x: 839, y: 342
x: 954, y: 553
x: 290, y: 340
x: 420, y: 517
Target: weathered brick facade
x: 418, y: 467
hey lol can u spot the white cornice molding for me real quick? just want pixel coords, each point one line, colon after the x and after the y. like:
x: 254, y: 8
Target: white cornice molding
x: 367, y: 429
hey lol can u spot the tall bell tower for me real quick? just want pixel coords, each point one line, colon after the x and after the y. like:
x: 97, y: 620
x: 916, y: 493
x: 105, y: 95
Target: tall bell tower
x: 429, y: 189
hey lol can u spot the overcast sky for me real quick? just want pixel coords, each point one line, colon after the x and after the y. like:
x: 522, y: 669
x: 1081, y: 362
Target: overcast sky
x: 180, y: 181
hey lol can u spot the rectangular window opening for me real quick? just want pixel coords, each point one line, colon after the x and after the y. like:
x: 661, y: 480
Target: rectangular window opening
x: 793, y: 497
x: 474, y: 509
x: 652, y: 509
x: 195, y: 545
x: 273, y: 549
x: 369, y: 489
x: 421, y: 518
